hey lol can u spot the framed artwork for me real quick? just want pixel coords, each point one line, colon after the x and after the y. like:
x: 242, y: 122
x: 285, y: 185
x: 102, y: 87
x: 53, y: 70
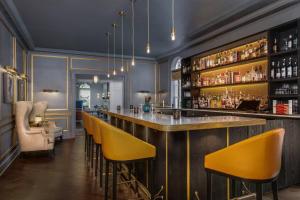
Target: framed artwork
x: 8, y: 88
x: 21, y: 90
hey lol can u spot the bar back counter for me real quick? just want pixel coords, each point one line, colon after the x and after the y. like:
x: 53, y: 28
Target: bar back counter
x: 182, y: 144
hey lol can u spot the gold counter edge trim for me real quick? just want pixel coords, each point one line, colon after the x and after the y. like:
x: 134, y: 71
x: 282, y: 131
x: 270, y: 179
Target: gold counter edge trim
x: 167, y: 166
x: 188, y: 173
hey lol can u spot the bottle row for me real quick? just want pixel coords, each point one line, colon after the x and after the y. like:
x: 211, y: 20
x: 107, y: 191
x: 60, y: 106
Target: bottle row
x: 286, y: 67
x: 286, y: 43
x: 249, y: 51
x: 287, y: 89
x: 225, y: 101
x: 287, y: 107
x: 256, y: 74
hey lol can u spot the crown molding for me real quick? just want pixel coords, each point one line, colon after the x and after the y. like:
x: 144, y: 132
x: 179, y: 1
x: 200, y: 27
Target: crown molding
x: 209, y: 32
x: 86, y: 53
x: 16, y: 20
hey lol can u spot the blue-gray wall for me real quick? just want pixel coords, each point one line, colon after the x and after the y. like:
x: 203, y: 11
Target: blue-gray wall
x: 58, y: 71
x: 12, y: 53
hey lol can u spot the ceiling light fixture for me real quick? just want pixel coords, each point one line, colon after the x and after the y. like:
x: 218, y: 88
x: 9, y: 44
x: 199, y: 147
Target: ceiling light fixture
x: 96, y: 79
x: 148, y: 21
x: 108, y: 56
x: 173, y: 31
x: 122, y: 14
x: 132, y: 24
x: 114, y: 25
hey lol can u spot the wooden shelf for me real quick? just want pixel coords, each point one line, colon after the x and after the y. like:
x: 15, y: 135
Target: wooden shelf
x: 284, y: 79
x: 251, y: 60
x: 284, y: 52
x: 235, y: 84
x: 280, y: 96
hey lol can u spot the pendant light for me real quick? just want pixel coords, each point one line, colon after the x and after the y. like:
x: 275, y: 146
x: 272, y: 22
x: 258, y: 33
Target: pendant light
x: 96, y: 79
x: 108, y: 56
x: 173, y: 32
x: 114, y: 29
x: 148, y: 27
x: 122, y: 14
x: 132, y: 24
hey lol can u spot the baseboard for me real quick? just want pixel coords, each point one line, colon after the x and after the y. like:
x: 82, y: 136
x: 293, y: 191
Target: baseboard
x: 8, y: 159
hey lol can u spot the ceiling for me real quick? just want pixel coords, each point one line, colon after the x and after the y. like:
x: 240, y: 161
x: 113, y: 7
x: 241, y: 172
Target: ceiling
x: 80, y: 25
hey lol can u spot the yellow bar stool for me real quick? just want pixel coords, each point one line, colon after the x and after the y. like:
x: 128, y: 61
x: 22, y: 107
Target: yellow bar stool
x: 257, y: 160
x: 97, y: 141
x: 90, y: 133
x: 84, y: 119
x: 121, y: 147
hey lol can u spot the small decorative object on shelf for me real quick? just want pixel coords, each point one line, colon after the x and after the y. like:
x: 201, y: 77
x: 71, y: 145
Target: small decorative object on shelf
x: 147, y: 106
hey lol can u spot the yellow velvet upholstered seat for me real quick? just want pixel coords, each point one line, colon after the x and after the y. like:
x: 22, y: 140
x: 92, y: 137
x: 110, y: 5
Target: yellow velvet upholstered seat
x: 117, y: 145
x: 257, y: 158
x: 96, y: 129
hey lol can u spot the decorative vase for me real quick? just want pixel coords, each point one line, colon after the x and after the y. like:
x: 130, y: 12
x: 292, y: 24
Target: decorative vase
x: 146, y: 107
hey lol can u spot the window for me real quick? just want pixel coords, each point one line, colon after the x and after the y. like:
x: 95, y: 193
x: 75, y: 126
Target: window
x: 176, y: 83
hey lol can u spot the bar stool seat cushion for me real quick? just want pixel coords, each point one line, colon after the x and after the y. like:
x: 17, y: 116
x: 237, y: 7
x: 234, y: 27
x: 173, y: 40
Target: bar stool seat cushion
x: 117, y: 145
x: 257, y: 158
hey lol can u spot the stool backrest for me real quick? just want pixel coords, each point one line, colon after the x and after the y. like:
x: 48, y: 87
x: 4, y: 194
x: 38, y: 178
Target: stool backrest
x: 119, y: 145
x: 89, y: 128
x: 96, y: 129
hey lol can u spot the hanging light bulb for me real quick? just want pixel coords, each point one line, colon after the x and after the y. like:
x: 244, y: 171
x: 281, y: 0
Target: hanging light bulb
x: 114, y: 25
x: 132, y: 22
x: 95, y: 79
x: 122, y: 14
x: 173, y: 32
x: 108, y: 56
x: 148, y: 20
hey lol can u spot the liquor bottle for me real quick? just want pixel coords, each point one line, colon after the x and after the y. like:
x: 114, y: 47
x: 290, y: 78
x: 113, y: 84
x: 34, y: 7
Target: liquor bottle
x: 278, y: 71
x: 289, y: 68
x: 295, y: 41
x: 295, y: 68
x: 273, y: 70
x: 283, y: 69
x: 275, y: 47
x: 290, y: 42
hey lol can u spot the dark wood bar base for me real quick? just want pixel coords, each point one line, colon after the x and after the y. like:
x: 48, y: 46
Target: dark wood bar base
x: 179, y: 165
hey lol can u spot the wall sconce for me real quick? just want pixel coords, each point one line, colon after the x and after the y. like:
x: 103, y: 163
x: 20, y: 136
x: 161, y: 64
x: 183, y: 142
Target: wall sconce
x: 10, y: 70
x: 50, y: 91
x: 96, y: 79
x: 22, y: 76
x: 143, y: 91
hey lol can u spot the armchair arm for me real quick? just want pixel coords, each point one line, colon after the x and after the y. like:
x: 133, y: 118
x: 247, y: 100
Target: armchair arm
x: 35, y: 131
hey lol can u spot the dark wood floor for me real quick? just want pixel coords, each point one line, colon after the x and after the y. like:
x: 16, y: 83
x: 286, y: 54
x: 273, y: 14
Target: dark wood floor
x: 64, y: 177
x: 67, y: 177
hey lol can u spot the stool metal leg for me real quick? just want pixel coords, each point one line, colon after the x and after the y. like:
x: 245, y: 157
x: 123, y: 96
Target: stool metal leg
x: 152, y: 175
x: 208, y: 185
x: 114, y: 181
x: 97, y: 156
x: 92, y: 153
x: 258, y: 191
x: 101, y: 167
x: 85, y: 141
x: 275, y: 190
x: 106, y: 179
x: 233, y: 185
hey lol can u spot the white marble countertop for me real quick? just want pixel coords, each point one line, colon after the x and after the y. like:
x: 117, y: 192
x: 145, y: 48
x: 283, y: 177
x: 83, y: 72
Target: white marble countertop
x: 164, y: 122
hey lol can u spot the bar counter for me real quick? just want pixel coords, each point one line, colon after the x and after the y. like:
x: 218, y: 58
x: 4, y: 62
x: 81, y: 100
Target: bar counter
x: 181, y: 146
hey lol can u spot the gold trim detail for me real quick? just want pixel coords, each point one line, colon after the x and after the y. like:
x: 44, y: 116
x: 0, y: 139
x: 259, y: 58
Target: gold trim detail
x: 67, y: 78
x: 227, y: 144
x: 188, y: 167
x: 167, y: 181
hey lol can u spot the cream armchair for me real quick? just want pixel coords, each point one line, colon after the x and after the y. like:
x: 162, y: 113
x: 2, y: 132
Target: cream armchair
x: 39, y: 109
x: 31, y: 139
